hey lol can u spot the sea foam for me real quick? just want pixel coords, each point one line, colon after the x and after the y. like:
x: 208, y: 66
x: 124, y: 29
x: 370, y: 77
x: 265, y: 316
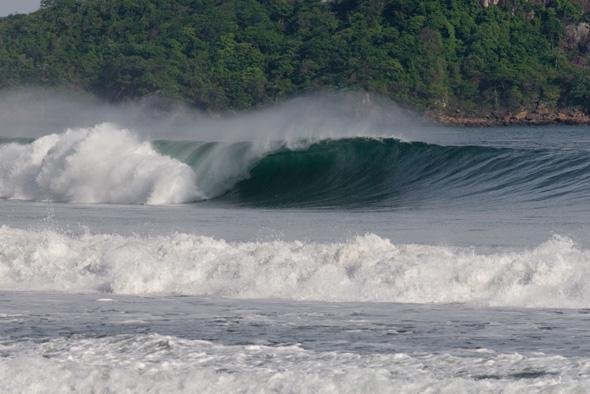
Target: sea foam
x: 162, y: 364
x: 103, y: 164
x: 366, y: 268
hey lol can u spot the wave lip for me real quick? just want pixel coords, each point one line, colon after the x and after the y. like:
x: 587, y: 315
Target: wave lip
x: 366, y: 268
x: 103, y: 164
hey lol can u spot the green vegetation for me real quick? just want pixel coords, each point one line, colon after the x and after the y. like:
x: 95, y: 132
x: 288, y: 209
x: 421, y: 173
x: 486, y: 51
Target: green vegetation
x: 220, y: 54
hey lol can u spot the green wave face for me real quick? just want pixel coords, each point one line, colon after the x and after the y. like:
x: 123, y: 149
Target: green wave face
x: 386, y: 173
x: 327, y: 173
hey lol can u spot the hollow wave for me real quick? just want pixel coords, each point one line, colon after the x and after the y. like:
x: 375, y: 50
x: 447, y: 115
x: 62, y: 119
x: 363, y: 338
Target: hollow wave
x: 107, y: 164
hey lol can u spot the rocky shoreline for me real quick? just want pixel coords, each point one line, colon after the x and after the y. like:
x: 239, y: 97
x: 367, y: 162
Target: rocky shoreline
x: 524, y: 117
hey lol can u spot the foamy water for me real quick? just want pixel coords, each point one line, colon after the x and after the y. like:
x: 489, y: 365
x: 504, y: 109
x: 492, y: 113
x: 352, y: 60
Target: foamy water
x: 161, y: 364
x: 101, y: 164
x: 366, y: 268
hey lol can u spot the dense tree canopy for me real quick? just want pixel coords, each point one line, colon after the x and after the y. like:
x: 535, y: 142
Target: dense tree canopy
x: 220, y: 54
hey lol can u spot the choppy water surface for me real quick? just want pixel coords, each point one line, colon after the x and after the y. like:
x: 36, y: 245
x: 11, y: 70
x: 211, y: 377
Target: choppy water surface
x: 454, y: 260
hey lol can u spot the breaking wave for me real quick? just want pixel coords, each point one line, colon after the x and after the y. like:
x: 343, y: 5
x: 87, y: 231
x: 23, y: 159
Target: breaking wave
x: 106, y: 164
x: 366, y: 268
x: 98, y: 165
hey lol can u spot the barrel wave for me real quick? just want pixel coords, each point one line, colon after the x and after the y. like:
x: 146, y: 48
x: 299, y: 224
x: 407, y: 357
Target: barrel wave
x: 106, y: 164
x: 359, y: 172
x: 384, y: 173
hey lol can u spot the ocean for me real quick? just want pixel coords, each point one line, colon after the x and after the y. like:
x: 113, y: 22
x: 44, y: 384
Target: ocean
x: 441, y: 260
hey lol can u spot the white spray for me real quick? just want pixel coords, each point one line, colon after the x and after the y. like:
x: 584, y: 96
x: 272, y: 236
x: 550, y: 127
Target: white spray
x: 103, y: 164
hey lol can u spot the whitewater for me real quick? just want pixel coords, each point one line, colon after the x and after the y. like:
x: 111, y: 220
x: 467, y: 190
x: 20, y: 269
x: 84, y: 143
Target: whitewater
x: 367, y: 268
x: 324, y: 245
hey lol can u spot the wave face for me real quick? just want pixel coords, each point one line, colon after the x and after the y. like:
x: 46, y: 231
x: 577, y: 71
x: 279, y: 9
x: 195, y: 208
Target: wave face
x: 366, y: 268
x: 380, y: 172
x: 389, y: 173
x: 106, y: 164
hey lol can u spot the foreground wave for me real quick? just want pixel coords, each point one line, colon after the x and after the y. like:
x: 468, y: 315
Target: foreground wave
x: 105, y: 164
x: 155, y: 363
x: 367, y: 268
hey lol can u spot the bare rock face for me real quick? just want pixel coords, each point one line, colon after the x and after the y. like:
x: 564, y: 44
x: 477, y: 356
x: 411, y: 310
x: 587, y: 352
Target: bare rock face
x: 578, y: 35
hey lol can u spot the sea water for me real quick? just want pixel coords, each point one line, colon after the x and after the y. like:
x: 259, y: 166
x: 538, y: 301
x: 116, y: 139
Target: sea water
x: 457, y: 260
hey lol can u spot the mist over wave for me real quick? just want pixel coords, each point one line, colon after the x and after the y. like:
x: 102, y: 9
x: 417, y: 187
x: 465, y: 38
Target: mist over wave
x: 32, y: 113
x: 366, y: 268
x: 94, y: 161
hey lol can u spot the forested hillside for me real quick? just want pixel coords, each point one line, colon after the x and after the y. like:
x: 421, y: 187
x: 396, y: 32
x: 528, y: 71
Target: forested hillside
x: 446, y: 56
